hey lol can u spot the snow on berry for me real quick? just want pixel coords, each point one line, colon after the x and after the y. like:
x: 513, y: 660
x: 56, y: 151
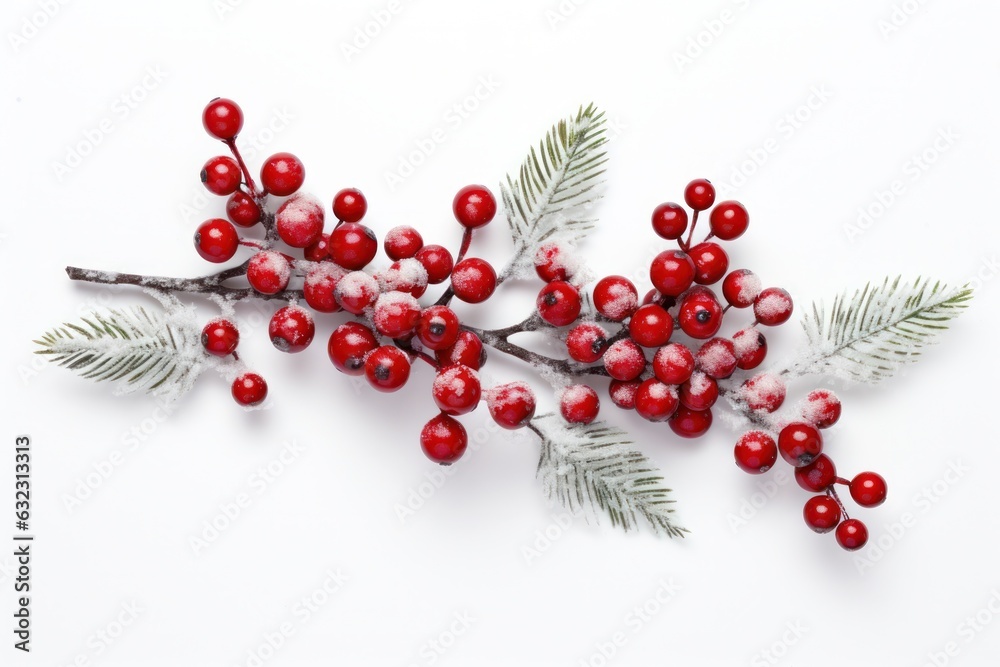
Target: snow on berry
x: 773, y: 306
x: 269, y: 272
x: 356, y: 291
x: 673, y: 363
x: 586, y: 342
x: 402, y: 242
x: 717, y: 358
x: 764, y: 391
x: 556, y: 261
x: 405, y: 275
x: 623, y: 393
x: 300, y: 220
x: 291, y: 329
x: 700, y: 392
x: 750, y: 348
x: 741, y: 287
x: 579, y: 404
x: 320, y: 287
x: 615, y: 297
x: 821, y: 408
x: 456, y: 390
x: 624, y: 360
x: 396, y: 314
x: 511, y: 405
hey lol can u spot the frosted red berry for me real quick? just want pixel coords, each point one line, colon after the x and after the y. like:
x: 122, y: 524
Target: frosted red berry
x: 673, y: 363
x: 670, y: 221
x: 349, y: 205
x: 467, y: 350
x: 402, y: 242
x: 729, y: 219
x: 405, y: 275
x: 717, y: 358
x: 474, y: 206
x: 249, y: 389
x: 222, y: 118
x: 473, y: 280
x: 282, y: 174
x: 554, y: 262
x: 651, y: 326
x: 818, y: 475
x: 221, y: 175
x: 822, y: 408
x: 868, y: 489
x: 396, y: 314
x: 773, y: 306
x: 438, y: 262
x: 755, y: 452
x: 216, y: 240
x: 387, y: 368
x: 623, y: 393
x: 852, y: 534
x: 672, y: 272
x: 269, y: 272
x: 764, y: 392
x: 615, y: 297
x: 356, y: 292
x: 558, y: 303
x: 319, y: 250
x: 740, y: 288
x: 456, y: 390
x: 821, y: 513
x: 579, y: 404
x: 299, y: 220
x: 689, y: 423
x: 655, y: 401
x: 438, y: 328
x: 291, y: 329
x: 220, y: 337
x: 349, y: 344
x: 699, y: 392
x: 699, y: 194
x: 700, y: 314
x: 444, y: 439
x: 586, y: 342
x: 750, y: 348
x: 511, y: 405
x: 800, y: 443
x: 624, y: 360
x: 319, y: 288
x: 242, y: 209
x: 710, y: 262
x: 353, y: 245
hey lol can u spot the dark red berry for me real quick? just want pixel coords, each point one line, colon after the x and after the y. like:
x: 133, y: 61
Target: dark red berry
x: 579, y: 404
x: 822, y: 408
x: 291, y: 329
x: 818, y: 475
x: 822, y: 513
x: 269, y: 272
x: 249, y: 389
x: 710, y: 262
x: 387, y: 368
x: 689, y: 423
x: 349, y: 344
x: 318, y: 250
x: 729, y: 220
x: 402, y: 242
x: 356, y: 292
x: 670, y: 221
x: 468, y: 350
x: 221, y: 175
x: 220, y: 337
x: 242, y: 209
x: 852, y: 534
x: 473, y: 280
x: 700, y: 392
x: 282, y: 174
x: 755, y: 452
x: 511, y: 405
x: 673, y: 363
x: 773, y: 306
x: 438, y: 328
x: 586, y: 342
x: 474, y: 206
x: 800, y: 443
x: 624, y: 360
x: 868, y: 489
x: 319, y: 288
x: 216, y: 240
x: 740, y: 288
x: 456, y: 390
x: 438, y: 262
x: 615, y: 297
x: 558, y: 303
x: 700, y: 315
x: 222, y: 118
x: 444, y: 439
x: 300, y: 220
x: 672, y: 272
x: 699, y: 194
x: 717, y: 358
x: 353, y: 245
x: 651, y: 326
x: 349, y: 205
x: 750, y: 347
x: 554, y: 262
x: 655, y: 401
x: 623, y: 393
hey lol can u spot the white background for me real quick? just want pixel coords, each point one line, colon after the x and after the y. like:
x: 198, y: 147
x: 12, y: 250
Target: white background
x: 880, y: 94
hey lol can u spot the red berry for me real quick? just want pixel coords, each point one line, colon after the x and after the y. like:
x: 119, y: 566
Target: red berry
x: 579, y: 404
x: 655, y: 401
x: 852, y: 534
x: 740, y: 288
x: 396, y: 314
x: 438, y: 262
x: 868, y: 489
x: 387, y: 368
x: 221, y: 175
x: 269, y: 272
x: 821, y: 513
x: 216, y: 240
x: 699, y: 194
x: 456, y: 390
x: 554, y: 262
x: 405, y: 275
x: 291, y: 329
x: 438, y: 328
x: 320, y: 287
x: 672, y: 272
x: 300, y: 220
x: 729, y: 220
x: 615, y: 297
x: 689, y: 423
x: 249, y: 389
x: 444, y: 439
x: 651, y: 326
x: 356, y: 292
x: 710, y: 262
x: 349, y: 205
x: 558, y: 303
x: 624, y: 360
x: 474, y: 206
x: 586, y: 342
x: 349, y: 344
x: 511, y: 405
x: 700, y: 315
x: 673, y: 364
x: 242, y: 209
x: 750, y: 347
x: 800, y: 444
x: 755, y: 452
x: 717, y: 358
x: 353, y: 245
x: 319, y: 250
x: 468, y: 350
x: 700, y: 392
x: 818, y: 475
x: 222, y: 118
x: 764, y: 391
x: 402, y: 242
x: 473, y: 280
x: 623, y: 393
x: 282, y: 174
x: 220, y: 337
x: 822, y: 408
x: 670, y: 221
x: 773, y: 306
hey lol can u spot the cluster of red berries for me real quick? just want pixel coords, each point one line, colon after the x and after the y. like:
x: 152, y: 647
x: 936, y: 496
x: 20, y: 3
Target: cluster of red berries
x: 800, y: 444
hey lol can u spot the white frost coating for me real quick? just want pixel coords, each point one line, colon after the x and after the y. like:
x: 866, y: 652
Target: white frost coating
x: 301, y: 210
x: 356, y: 285
x: 659, y: 391
x: 624, y: 352
x: 575, y: 393
x: 394, y: 304
x: 324, y: 273
x: 506, y: 395
x: 750, y: 287
x: 714, y: 357
x: 762, y: 388
x: 772, y: 305
x: 699, y: 383
x: 454, y: 379
x: 746, y: 341
x: 273, y: 262
x: 622, y: 301
x: 406, y: 274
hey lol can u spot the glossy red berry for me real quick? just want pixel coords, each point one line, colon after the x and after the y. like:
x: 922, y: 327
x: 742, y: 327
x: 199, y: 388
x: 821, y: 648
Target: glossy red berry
x: 717, y: 358
x: 291, y: 329
x: 282, y: 174
x: 511, y: 405
x: 438, y: 328
x: 818, y: 475
x: 700, y: 392
x: 269, y: 272
x: 651, y: 326
x: 473, y: 280
x: 764, y: 391
x: 319, y: 250
x: 222, y: 118
x: 349, y: 344
x: 319, y: 288
x: 221, y: 175
x: 624, y: 360
x: 800, y: 443
x: 405, y: 275
x: 868, y: 489
x: 699, y: 194
x: 689, y: 423
x: 438, y: 262
x: 740, y: 288
x: 444, y: 439
x: 353, y: 245
x: 249, y: 389
x: 387, y: 368
x: 623, y: 393
x: 356, y: 292
x: 710, y: 262
x: 402, y: 242
x: 673, y: 363
x: 615, y: 297
x: 821, y: 513
x: 554, y: 262
x: 349, y: 205
x: 456, y: 390
x: 656, y: 401
x: 216, y: 240
x: 220, y: 337
x: 558, y: 303
x: 299, y: 220
x: 773, y: 306
x: 474, y: 206
x: 586, y: 342
x: 822, y: 408
x: 729, y: 220
x: 396, y: 314
x: 672, y: 272
x: 242, y: 209
x: 579, y: 404
x: 755, y: 452
x: 700, y: 314
x: 468, y: 350
x: 750, y: 347
x: 852, y: 534
x: 670, y: 221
